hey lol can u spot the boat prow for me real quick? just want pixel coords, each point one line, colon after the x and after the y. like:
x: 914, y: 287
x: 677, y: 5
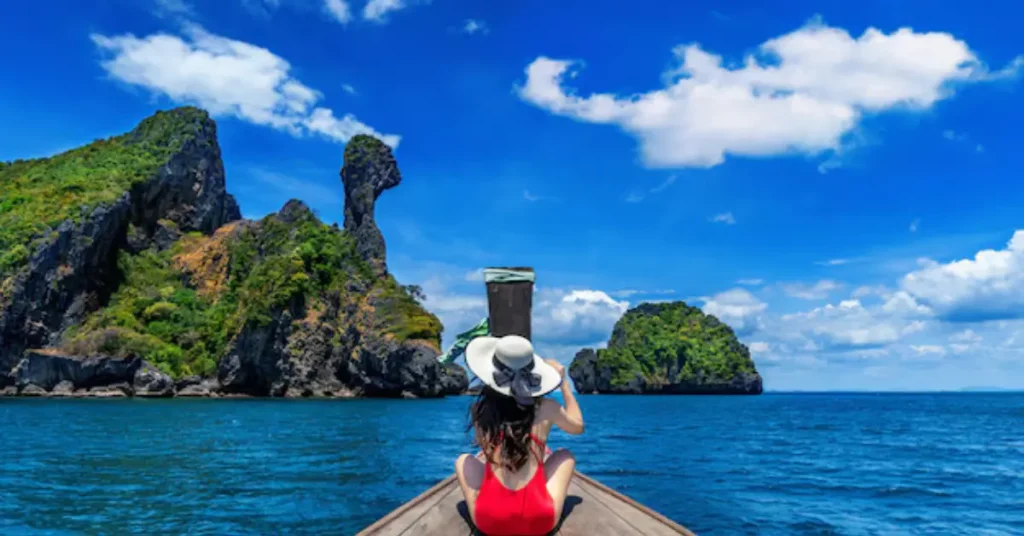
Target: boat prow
x: 591, y: 509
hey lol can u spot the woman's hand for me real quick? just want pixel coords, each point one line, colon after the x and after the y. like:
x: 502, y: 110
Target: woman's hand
x: 557, y: 366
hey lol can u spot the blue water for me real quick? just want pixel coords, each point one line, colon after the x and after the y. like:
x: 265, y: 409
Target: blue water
x: 775, y: 464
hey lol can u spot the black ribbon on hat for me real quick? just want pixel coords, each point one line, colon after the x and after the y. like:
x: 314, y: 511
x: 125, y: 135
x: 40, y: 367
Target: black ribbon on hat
x: 522, y: 381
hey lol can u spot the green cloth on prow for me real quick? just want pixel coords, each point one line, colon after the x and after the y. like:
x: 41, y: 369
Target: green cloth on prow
x: 482, y: 329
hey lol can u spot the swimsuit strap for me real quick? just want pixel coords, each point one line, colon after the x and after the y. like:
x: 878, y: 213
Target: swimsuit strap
x: 541, y: 444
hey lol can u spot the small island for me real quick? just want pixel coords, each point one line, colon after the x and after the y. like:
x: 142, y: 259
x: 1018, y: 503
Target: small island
x: 667, y: 348
x: 126, y: 270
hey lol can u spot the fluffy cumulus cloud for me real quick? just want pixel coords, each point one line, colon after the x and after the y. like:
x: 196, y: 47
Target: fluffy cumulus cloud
x: 816, y: 291
x: 848, y: 325
x: 959, y: 320
x: 738, y: 308
x: 228, y: 78
x: 575, y: 316
x: 377, y: 10
x: 988, y: 287
x: 803, y: 92
x: 338, y: 10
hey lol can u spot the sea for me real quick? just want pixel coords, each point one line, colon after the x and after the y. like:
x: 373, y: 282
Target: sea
x: 776, y: 464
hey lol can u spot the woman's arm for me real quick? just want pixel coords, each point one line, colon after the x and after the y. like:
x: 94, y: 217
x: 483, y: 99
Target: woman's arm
x: 569, y: 418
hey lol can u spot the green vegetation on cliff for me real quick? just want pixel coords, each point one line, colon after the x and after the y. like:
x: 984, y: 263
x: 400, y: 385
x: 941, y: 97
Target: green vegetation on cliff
x: 181, y: 307
x: 38, y: 195
x: 670, y: 343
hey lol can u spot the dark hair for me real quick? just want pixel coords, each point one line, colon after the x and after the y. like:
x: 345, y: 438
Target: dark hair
x: 498, y: 420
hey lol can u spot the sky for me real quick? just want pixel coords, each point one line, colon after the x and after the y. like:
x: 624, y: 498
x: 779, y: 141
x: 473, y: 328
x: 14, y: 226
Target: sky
x: 838, y: 181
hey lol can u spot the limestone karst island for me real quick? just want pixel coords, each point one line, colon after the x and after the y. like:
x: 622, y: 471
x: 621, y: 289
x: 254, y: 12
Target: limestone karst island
x: 127, y: 270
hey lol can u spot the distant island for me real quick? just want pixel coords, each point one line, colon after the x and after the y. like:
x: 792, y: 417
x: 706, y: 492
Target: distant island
x: 667, y: 348
x: 130, y: 247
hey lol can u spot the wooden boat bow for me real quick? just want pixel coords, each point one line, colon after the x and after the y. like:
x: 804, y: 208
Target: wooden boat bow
x: 591, y: 509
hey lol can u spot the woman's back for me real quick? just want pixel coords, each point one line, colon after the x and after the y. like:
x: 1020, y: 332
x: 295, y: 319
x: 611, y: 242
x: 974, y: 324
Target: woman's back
x: 514, y: 486
x: 516, y: 502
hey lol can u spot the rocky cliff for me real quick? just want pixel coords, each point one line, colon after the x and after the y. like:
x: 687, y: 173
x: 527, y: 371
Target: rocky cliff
x: 667, y: 348
x: 63, y: 220
x: 157, y: 287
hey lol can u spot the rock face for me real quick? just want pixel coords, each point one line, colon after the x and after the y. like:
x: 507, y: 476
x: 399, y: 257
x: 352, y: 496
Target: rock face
x: 667, y: 348
x: 358, y: 334
x: 162, y: 293
x: 50, y: 373
x: 369, y: 169
x: 75, y: 269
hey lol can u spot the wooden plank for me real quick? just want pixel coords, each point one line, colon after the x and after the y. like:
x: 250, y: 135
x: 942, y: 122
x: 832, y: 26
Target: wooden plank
x: 588, y: 517
x: 444, y: 518
x: 510, y: 306
x: 642, y: 518
x: 399, y: 519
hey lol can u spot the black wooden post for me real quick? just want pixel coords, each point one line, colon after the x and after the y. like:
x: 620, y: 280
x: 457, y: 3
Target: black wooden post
x: 510, y: 306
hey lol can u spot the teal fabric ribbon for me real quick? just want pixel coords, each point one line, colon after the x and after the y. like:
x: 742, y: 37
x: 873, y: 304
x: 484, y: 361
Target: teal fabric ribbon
x: 504, y: 275
x: 482, y: 329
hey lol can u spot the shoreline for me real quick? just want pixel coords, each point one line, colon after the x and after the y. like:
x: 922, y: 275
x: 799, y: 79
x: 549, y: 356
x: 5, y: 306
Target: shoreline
x: 108, y: 393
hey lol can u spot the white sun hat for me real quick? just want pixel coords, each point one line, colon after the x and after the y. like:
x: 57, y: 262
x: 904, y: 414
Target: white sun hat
x: 509, y: 366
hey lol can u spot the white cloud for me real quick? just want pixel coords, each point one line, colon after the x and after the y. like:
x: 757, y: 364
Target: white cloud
x: 669, y: 181
x: 914, y: 327
x: 577, y: 316
x: 638, y: 196
x: 988, y: 287
x: 533, y: 198
x: 725, y: 217
x: 904, y: 304
x: 738, y: 308
x: 227, y: 77
x: 625, y: 293
x: 750, y: 282
x: 338, y: 10
x: 846, y: 326
x: 914, y: 225
x: 802, y: 92
x: 864, y: 291
x: 817, y: 291
x: 377, y: 10
x: 759, y: 347
x: 960, y: 348
x: 965, y: 336
x: 924, y: 349
x: 473, y: 26
x: 838, y: 262
x: 348, y: 89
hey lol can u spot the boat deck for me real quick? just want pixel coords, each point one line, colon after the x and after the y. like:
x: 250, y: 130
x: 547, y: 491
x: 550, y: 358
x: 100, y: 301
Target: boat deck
x: 591, y: 509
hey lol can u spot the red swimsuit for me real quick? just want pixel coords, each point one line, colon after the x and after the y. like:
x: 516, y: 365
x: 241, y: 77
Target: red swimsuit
x: 527, y: 511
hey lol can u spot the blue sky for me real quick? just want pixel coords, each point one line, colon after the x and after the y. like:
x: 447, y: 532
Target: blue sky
x: 839, y: 181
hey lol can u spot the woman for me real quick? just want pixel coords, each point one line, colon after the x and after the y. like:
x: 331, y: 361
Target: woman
x: 510, y: 488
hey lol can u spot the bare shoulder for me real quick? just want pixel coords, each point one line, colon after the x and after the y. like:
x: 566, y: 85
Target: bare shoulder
x: 548, y: 409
